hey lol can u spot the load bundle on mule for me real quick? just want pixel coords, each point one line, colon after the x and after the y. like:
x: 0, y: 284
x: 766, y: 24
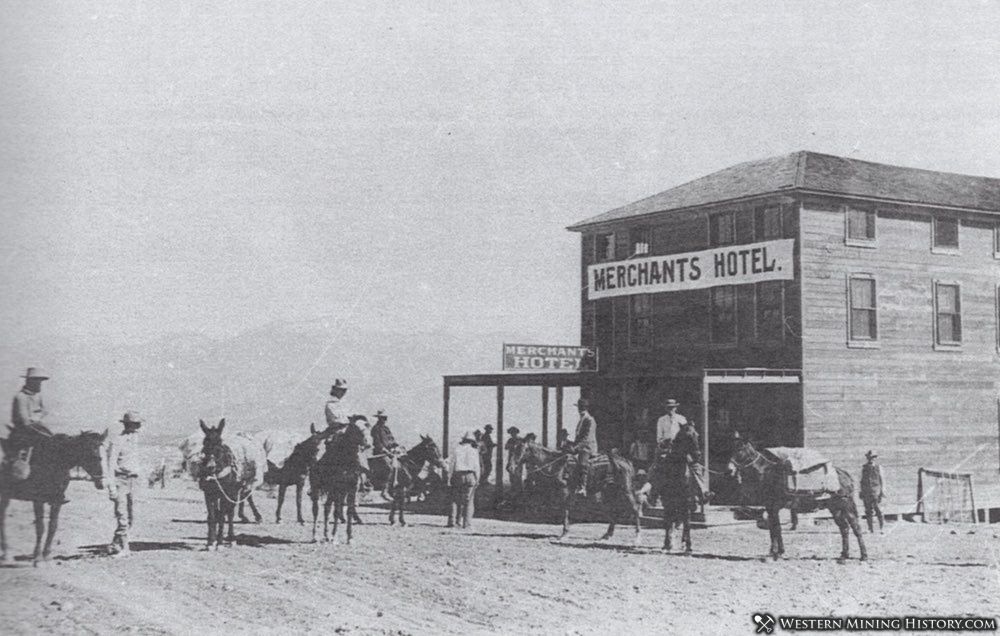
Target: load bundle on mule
x: 806, y: 472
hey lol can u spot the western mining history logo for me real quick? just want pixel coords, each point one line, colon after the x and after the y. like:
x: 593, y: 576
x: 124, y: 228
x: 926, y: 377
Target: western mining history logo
x: 767, y: 624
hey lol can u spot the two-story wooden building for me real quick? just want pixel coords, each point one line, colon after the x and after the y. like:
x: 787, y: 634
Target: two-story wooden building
x: 881, y: 331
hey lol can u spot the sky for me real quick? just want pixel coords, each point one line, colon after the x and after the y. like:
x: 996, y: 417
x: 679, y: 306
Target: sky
x: 210, y: 167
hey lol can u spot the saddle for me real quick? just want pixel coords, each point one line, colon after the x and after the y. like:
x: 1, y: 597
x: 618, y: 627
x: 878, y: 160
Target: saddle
x: 805, y: 472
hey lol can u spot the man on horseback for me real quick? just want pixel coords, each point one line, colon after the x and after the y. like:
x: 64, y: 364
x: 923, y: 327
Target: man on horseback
x: 337, y: 410
x: 385, y: 449
x: 26, y: 417
x: 121, y: 477
x: 584, y: 443
x: 670, y: 424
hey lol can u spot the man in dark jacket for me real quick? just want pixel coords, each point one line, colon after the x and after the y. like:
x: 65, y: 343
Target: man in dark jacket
x: 385, y: 449
x: 872, y: 490
x: 487, y: 447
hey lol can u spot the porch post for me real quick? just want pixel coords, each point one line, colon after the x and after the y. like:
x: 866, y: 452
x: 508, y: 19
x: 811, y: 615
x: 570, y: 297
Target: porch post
x: 499, y: 468
x: 545, y: 416
x: 444, y: 426
x: 559, y: 412
x: 704, y: 427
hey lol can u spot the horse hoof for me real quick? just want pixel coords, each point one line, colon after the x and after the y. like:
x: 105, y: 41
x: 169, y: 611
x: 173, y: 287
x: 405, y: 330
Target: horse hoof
x: 301, y: 522
x: 864, y: 557
x: 688, y: 550
x: 277, y: 521
x: 402, y: 524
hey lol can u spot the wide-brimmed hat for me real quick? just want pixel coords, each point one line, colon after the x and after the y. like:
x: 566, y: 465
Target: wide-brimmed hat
x: 36, y: 373
x: 381, y: 414
x: 671, y: 402
x: 513, y: 430
x: 871, y: 455
x: 488, y: 427
x: 131, y: 417
x: 340, y: 384
x: 584, y: 402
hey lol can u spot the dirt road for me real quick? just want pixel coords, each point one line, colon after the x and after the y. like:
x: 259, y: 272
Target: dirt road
x: 498, y: 577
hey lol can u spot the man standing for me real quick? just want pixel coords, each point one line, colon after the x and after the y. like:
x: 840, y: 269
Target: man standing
x: 385, y: 449
x: 671, y: 422
x: 486, y: 449
x: 514, y: 472
x: 122, y: 479
x: 27, y: 415
x: 584, y: 443
x: 872, y: 490
x: 463, y: 475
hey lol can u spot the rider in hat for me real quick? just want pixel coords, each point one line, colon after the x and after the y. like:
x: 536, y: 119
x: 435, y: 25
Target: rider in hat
x: 385, y: 448
x: 585, y: 444
x: 121, y: 478
x: 671, y: 422
x: 27, y: 415
x: 338, y: 411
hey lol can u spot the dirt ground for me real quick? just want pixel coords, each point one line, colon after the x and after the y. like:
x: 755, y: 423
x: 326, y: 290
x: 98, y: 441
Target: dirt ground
x: 499, y: 576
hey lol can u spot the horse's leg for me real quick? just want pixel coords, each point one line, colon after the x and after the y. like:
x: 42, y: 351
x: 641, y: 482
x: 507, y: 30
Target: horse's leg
x: 210, y: 513
x: 686, y: 532
x: 231, y: 538
x: 327, y: 505
x: 851, y: 516
x: 53, y: 526
x: 566, y: 499
x: 668, y: 527
x: 281, y: 501
x: 845, y: 545
x: 39, y: 529
x: 795, y: 518
x: 314, y: 495
x: 633, y: 501
x: 393, y: 504
x: 402, y: 504
x: 298, y: 502
x: 242, y: 513
x: 352, y: 497
x: 774, y: 523
x: 609, y: 509
x: 257, y: 518
x: 4, y: 557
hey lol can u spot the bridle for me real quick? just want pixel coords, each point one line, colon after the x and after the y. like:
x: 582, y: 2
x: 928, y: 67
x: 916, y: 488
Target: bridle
x: 755, y: 462
x: 541, y: 468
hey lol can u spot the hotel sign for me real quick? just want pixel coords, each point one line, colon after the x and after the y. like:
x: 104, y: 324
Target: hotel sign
x: 550, y: 358
x: 730, y: 265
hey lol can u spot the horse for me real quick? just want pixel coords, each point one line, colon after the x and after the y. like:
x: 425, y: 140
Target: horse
x: 52, y: 458
x: 613, y: 478
x: 748, y: 460
x: 337, y: 474
x: 405, y: 475
x: 672, y: 480
x: 294, y: 470
x: 230, y: 471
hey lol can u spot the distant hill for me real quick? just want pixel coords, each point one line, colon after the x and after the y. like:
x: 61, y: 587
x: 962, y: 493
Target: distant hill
x: 276, y: 376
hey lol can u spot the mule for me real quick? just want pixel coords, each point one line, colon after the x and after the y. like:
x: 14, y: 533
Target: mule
x: 52, y: 459
x: 230, y: 471
x: 337, y: 474
x: 294, y: 470
x: 403, y: 478
x: 747, y: 460
x: 672, y: 480
x: 611, y: 475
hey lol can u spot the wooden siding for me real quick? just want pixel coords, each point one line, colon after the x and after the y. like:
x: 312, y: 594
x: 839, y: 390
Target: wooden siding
x: 914, y: 405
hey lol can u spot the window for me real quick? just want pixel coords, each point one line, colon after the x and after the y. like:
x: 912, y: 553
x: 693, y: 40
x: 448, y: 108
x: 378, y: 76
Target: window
x: 947, y: 315
x: 604, y: 248
x: 640, y: 333
x: 770, y: 317
x: 860, y: 226
x: 721, y: 229
x: 769, y: 223
x: 863, y: 311
x: 945, y: 234
x: 723, y: 323
x: 640, y: 238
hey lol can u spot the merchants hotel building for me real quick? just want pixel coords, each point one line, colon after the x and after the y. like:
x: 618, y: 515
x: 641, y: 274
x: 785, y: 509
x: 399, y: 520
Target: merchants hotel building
x: 804, y: 300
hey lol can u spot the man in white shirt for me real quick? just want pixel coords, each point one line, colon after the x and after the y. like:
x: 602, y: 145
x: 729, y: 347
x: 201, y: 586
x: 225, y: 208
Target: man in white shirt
x: 338, y: 412
x: 463, y: 476
x: 122, y: 479
x: 671, y: 422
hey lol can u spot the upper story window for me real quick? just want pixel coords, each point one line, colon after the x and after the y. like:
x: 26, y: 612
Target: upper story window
x: 604, y: 248
x: 721, y: 229
x: 723, y: 321
x: 862, y: 317
x: 947, y: 315
x: 641, y: 240
x: 770, y: 314
x: 860, y: 228
x: 996, y: 241
x: 769, y: 223
x: 640, y: 332
x: 945, y: 234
